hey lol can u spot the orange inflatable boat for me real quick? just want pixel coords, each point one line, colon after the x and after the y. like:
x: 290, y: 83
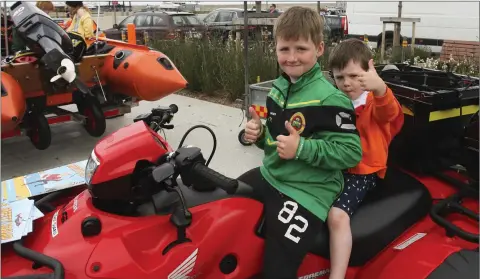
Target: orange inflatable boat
x: 126, y: 69
x: 133, y: 71
x: 63, y: 68
x: 136, y: 70
x: 13, y: 103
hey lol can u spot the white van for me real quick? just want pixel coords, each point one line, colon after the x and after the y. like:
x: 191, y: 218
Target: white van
x: 439, y: 21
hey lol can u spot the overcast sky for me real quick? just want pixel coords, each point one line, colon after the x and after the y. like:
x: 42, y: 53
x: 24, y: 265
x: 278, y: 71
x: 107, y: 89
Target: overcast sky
x: 144, y: 3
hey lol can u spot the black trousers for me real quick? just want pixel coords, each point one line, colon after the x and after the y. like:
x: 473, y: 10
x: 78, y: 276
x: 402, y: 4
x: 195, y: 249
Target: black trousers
x: 290, y: 229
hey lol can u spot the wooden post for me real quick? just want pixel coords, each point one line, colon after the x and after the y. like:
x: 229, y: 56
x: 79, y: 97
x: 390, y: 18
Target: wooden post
x: 382, y: 53
x: 146, y: 37
x: 124, y: 35
x: 413, y: 39
x: 114, y: 12
x: 238, y: 37
x: 6, y: 23
x: 318, y: 7
x: 397, y: 28
x: 245, y: 53
x: 397, y: 33
x: 395, y: 20
x: 258, y: 29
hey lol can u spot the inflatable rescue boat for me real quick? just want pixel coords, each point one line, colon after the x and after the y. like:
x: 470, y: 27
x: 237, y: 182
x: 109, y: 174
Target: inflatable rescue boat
x: 136, y: 70
x: 61, y: 68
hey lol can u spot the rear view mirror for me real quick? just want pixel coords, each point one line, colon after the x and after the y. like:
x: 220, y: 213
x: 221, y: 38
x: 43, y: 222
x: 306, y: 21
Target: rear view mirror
x: 115, y: 26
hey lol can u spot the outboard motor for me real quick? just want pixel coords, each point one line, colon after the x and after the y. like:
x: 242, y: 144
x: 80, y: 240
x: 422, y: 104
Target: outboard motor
x: 46, y: 39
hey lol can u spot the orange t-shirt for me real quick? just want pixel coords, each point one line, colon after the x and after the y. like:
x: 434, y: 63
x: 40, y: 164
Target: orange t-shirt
x: 379, y: 120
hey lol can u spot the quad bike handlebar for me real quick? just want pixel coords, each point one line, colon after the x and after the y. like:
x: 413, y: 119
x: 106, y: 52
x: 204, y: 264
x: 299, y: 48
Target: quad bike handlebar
x: 159, y: 117
x: 189, y: 163
x: 203, y: 172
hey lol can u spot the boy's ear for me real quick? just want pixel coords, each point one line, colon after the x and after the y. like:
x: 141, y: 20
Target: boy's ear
x: 320, y: 49
x: 330, y: 73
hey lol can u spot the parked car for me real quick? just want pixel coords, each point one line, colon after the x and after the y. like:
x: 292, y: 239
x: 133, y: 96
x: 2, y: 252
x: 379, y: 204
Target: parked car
x: 159, y: 25
x: 337, y: 27
x: 220, y: 23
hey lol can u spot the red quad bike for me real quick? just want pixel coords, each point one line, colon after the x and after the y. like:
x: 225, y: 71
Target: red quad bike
x: 152, y: 212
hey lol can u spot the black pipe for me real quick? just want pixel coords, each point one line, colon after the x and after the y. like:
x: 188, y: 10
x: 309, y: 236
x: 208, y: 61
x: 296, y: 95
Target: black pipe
x: 451, y: 205
x: 43, y: 203
x: 55, y: 265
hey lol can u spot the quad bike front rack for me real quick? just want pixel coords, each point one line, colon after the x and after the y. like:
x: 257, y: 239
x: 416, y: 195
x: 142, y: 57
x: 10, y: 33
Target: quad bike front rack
x: 38, y: 259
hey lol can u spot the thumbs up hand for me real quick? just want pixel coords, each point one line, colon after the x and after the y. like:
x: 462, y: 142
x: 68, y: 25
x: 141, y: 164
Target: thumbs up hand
x: 253, y: 128
x: 370, y: 81
x: 287, y: 145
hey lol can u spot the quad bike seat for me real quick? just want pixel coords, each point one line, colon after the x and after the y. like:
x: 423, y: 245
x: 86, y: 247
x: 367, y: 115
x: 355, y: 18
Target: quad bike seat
x: 390, y: 209
x: 397, y: 202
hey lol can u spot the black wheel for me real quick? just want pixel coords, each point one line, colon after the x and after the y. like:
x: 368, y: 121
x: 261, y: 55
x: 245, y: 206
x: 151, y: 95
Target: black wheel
x: 242, y: 140
x: 39, y: 130
x: 95, y: 122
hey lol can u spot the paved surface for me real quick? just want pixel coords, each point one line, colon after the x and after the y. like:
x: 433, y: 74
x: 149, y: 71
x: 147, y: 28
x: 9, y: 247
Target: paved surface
x: 71, y: 143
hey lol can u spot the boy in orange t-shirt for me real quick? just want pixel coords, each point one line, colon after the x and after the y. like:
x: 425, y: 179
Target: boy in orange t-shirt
x: 379, y: 118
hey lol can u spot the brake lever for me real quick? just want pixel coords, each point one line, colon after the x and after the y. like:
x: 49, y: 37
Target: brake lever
x: 154, y: 126
x: 168, y: 126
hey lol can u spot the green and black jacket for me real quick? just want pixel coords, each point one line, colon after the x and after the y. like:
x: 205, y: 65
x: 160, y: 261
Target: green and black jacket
x: 329, y: 143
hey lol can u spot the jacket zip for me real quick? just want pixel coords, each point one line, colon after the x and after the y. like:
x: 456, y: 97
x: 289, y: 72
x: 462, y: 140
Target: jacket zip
x: 285, y: 102
x: 286, y: 97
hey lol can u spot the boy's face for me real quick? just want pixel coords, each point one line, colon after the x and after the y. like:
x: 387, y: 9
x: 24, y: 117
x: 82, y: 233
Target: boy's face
x: 297, y: 56
x: 347, y: 79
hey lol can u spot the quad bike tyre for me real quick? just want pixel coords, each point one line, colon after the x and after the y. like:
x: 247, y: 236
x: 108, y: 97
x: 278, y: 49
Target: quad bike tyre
x: 242, y: 140
x: 95, y: 123
x: 39, y: 130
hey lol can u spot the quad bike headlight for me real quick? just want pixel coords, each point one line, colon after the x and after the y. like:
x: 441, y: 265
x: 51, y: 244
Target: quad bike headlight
x: 92, y: 165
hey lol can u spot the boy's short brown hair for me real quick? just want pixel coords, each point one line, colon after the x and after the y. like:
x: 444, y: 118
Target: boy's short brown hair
x: 300, y: 22
x: 350, y: 49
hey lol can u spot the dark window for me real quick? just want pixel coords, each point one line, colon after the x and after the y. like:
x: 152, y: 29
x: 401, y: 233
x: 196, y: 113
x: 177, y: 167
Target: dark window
x: 159, y: 21
x: 178, y: 20
x: 142, y: 21
x: 211, y: 17
x: 225, y: 16
x: 126, y: 21
x: 191, y: 19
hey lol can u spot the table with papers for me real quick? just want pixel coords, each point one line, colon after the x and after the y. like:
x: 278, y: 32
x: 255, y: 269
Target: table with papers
x: 18, y: 212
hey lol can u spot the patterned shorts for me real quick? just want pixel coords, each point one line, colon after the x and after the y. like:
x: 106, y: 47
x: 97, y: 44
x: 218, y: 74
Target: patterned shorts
x: 354, y: 191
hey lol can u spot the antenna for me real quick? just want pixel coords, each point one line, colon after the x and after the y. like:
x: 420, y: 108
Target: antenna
x: 98, y: 23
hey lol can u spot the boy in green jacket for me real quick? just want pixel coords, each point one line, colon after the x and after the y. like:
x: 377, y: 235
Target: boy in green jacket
x: 309, y: 138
